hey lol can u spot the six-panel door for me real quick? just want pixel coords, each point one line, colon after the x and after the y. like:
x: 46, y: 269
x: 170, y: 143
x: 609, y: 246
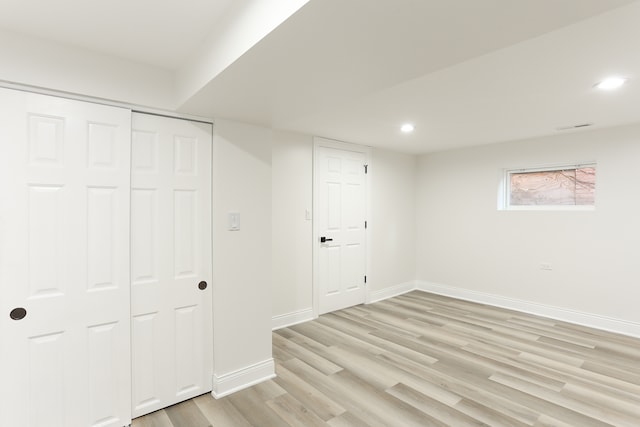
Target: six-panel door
x: 64, y: 262
x: 341, y: 221
x: 171, y: 261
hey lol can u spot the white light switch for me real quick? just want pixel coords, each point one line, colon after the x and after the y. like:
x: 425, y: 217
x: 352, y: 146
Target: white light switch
x: 234, y: 221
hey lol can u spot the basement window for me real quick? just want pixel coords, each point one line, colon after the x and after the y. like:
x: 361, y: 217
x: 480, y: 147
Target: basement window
x: 558, y: 188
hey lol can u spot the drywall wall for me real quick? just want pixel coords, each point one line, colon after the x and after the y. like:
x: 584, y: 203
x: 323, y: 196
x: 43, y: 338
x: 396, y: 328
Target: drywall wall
x: 466, y: 243
x: 45, y: 64
x: 241, y: 259
x: 392, y: 226
x: 292, y: 177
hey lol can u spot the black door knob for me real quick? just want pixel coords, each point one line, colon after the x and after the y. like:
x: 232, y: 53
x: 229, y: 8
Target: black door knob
x: 324, y: 239
x: 202, y: 285
x: 18, y: 313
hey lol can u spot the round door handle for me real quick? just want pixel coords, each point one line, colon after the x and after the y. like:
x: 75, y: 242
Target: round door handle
x: 202, y: 285
x: 18, y: 313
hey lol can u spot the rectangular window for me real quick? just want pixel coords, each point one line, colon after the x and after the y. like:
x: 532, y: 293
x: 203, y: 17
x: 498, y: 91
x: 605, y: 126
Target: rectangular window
x: 569, y: 187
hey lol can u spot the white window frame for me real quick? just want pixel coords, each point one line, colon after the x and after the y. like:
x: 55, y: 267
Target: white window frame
x: 504, y: 190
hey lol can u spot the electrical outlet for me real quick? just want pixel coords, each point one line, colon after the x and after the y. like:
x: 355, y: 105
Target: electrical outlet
x: 546, y: 266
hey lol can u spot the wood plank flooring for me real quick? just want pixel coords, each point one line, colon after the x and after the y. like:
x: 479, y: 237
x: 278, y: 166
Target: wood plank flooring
x: 426, y: 360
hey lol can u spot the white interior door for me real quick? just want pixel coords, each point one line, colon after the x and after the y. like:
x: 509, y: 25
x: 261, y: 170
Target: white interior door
x: 340, y: 216
x: 64, y: 262
x: 171, y: 261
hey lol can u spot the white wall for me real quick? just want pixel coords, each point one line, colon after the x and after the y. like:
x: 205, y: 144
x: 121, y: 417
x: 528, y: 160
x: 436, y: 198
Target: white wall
x: 42, y: 63
x: 241, y: 259
x: 292, y: 178
x: 465, y: 243
x: 392, y: 226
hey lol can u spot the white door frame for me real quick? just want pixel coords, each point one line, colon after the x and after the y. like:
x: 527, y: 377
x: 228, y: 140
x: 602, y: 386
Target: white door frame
x: 339, y: 145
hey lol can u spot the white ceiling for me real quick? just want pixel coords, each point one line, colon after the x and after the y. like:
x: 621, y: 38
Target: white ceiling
x: 466, y: 72
x: 160, y: 33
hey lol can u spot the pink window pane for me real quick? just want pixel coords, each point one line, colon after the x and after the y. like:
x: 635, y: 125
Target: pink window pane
x: 555, y: 188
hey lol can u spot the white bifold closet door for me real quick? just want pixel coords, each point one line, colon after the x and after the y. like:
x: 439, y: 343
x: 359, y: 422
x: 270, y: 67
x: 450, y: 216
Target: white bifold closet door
x: 64, y: 262
x: 171, y: 296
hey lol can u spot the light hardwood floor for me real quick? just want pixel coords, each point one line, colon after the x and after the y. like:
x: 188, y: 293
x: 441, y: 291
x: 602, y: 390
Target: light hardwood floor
x: 426, y: 360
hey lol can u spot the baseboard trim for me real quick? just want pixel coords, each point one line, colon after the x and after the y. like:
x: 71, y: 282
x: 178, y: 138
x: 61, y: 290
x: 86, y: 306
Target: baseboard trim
x: 390, y: 292
x: 604, y: 323
x: 290, y: 319
x: 231, y: 382
x: 596, y: 321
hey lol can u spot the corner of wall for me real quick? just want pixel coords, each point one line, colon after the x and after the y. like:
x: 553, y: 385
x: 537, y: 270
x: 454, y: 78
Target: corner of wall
x: 390, y: 292
x: 226, y: 384
x: 242, y: 296
x: 290, y: 319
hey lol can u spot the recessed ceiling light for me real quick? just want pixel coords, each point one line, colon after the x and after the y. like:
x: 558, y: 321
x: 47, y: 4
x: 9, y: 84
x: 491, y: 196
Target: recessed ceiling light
x: 407, y: 128
x: 611, y: 83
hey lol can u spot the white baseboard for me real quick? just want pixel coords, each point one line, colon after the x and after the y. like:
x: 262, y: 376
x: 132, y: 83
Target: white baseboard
x: 390, y: 292
x: 596, y: 321
x: 290, y: 319
x: 231, y: 382
x: 605, y: 323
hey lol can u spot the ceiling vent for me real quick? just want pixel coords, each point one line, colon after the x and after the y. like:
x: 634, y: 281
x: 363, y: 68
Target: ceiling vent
x: 581, y: 125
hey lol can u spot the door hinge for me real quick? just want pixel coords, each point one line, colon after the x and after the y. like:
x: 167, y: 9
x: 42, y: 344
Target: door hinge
x: 366, y: 168
x: 365, y: 224
x: 365, y: 279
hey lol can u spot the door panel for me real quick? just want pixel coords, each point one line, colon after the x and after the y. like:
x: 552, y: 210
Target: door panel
x: 341, y: 217
x: 171, y: 255
x: 64, y: 257
x: 46, y: 246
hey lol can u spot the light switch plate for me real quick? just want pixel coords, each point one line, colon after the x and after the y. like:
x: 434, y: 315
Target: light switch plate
x: 234, y: 221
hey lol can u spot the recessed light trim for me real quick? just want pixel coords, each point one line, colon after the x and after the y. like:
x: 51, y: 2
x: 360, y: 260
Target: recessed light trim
x: 611, y: 83
x: 407, y: 128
